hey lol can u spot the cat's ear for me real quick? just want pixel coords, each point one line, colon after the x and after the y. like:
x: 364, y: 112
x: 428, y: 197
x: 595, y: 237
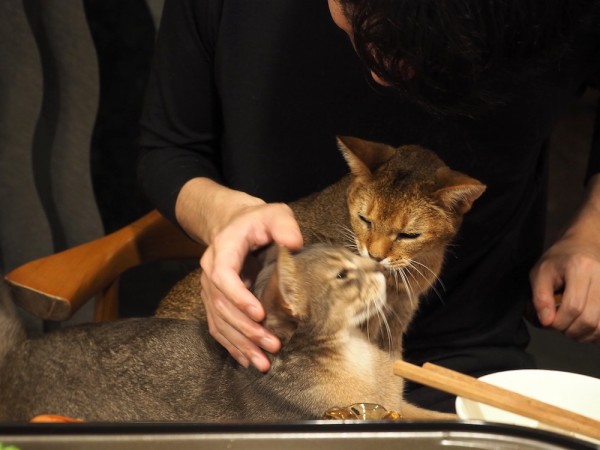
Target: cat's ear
x: 364, y: 157
x: 291, y: 300
x: 457, y: 190
x: 281, y: 297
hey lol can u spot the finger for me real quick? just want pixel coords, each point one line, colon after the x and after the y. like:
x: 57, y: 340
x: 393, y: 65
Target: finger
x: 232, y: 322
x: 231, y: 349
x: 585, y: 330
x: 235, y: 292
x: 220, y: 270
x: 591, y: 338
x: 237, y: 344
x: 221, y: 339
x: 241, y: 349
x: 586, y: 326
x: 237, y: 327
x: 544, y: 282
x: 285, y: 230
x: 215, y: 325
x: 573, y: 299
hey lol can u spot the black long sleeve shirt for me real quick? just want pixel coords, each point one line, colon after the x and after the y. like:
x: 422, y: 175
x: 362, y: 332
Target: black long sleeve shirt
x: 252, y: 93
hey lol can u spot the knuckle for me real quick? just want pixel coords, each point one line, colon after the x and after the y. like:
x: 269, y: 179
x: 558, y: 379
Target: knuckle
x: 284, y: 207
x: 206, y: 262
x: 542, y: 265
x: 213, y: 330
x: 573, y: 309
x: 543, y: 269
x: 218, y: 241
x: 583, y: 330
x: 586, y: 325
x: 594, y: 326
x: 242, y: 348
x: 216, y: 277
x: 253, y: 333
x: 582, y: 263
x: 219, y: 306
x: 249, y: 329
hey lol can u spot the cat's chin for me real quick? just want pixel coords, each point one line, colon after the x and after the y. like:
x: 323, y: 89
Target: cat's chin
x: 361, y: 318
x: 369, y: 310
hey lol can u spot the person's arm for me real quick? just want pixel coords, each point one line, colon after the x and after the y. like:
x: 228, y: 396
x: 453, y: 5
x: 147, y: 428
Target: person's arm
x: 572, y: 265
x: 181, y: 123
x: 179, y: 171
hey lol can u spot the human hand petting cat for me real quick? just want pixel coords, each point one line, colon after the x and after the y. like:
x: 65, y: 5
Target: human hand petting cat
x: 572, y: 264
x: 233, y: 224
x: 233, y: 312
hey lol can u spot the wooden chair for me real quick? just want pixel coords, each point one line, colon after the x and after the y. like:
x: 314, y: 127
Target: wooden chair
x: 56, y: 286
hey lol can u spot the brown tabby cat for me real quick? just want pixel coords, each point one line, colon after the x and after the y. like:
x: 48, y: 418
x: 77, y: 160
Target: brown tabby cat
x: 153, y: 369
x: 400, y: 206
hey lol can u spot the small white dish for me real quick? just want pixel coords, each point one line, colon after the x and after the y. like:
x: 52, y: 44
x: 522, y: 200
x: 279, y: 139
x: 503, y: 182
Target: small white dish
x: 572, y: 391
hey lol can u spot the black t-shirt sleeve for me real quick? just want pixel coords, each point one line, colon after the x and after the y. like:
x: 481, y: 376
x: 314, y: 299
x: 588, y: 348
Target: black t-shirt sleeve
x: 181, y: 121
x: 594, y: 161
x: 593, y: 167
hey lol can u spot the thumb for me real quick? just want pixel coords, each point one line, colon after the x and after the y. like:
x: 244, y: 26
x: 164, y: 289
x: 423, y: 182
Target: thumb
x: 286, y: 232
x: 543, y: 286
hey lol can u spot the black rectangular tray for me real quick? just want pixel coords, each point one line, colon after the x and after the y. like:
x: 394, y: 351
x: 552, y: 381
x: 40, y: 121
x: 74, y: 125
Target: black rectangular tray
x: 330, y: 435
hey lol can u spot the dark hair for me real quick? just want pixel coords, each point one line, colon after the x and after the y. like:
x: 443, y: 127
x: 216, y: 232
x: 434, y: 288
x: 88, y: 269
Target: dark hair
x: 461, y: 56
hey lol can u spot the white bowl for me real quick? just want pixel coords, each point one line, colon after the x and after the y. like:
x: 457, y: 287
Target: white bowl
x: 572, y: 391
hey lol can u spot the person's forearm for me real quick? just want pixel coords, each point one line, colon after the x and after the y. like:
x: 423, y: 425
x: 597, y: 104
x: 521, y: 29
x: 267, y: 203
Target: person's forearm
x: 203, y: 207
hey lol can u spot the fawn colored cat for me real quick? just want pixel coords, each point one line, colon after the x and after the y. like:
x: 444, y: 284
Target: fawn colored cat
x: 153, y: 369
x: 400, y: 206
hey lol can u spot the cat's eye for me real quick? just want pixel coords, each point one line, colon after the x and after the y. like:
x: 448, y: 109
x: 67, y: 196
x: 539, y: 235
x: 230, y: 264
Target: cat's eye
x: 342, y: 274
x: 407, y: 236
x: 366, y: 221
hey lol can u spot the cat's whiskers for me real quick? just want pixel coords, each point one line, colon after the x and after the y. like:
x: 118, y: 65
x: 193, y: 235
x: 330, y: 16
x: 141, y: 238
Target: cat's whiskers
x: 381, y: 307
x: 348, y: 238
x: 375, y: 298
x: 412, y: 275
x: 435, y: 275
x: 399, y: 281
x: 378, y: 301
x: 383, y: 319
x: 386, y: 315
x: 409, y: 289
x: 368, y: 321
x: 394, y: 273
x: 431, y: 283
x: 391, y: 312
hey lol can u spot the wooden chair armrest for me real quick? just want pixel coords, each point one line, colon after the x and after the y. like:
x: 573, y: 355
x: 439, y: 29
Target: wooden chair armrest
x: 56, y: 286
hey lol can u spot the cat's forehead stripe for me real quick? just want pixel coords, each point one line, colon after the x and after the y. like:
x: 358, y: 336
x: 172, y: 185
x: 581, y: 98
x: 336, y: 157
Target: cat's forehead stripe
x: 347, y: 262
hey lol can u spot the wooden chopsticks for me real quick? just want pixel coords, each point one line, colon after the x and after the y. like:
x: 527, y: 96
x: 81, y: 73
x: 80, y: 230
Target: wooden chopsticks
x: 468, y: 387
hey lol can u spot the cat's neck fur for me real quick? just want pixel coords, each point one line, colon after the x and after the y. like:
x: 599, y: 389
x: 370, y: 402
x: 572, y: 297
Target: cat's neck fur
x: 314, y: 215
